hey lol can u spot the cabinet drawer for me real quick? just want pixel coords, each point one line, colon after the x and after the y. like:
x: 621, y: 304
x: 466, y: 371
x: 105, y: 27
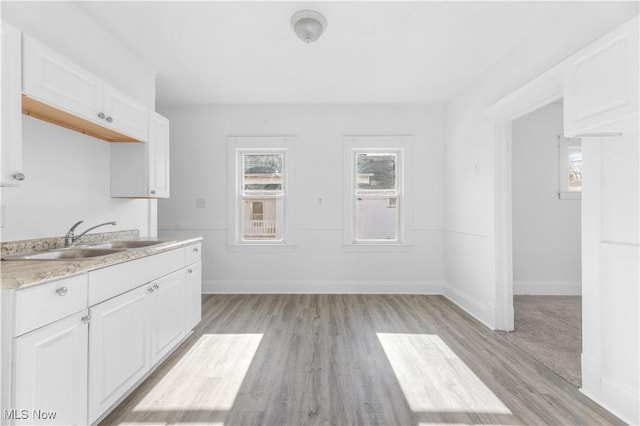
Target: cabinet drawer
x: 193, y: 254
x: 117, y: 279
x: 50, y: 302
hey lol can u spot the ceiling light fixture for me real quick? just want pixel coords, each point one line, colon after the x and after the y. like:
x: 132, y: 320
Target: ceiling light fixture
x: 308, y: 25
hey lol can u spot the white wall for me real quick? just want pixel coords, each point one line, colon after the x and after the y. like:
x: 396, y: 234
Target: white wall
x: 319, y: 264
x: 610, y: 358
x: 546, y: 230
x: 67, y: 180
x: 469, y: 238
x: 611, y: 273
x: 67, y: 172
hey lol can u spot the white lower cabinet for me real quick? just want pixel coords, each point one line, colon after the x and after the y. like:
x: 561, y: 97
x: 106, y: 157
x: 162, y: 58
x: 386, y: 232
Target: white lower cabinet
x: 193, y: 286
x: 80, y: 344
x: 167, y: 314
x: 50, y: 374
x: 130, y: 334
x: 118, y: 348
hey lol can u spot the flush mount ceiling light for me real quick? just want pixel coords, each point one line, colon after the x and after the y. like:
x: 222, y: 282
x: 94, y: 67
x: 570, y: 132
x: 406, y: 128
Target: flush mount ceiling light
x: 308, y: 25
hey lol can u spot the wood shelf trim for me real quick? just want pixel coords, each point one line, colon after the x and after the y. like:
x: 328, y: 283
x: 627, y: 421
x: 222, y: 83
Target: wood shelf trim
x: 48, y: 113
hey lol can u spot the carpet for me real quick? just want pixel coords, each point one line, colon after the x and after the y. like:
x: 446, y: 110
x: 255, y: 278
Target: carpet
x: 549, y: 329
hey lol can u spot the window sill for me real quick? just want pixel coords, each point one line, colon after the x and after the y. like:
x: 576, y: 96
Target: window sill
x: 377, y: 248
x: 570, y: 195
x: 261, y: 248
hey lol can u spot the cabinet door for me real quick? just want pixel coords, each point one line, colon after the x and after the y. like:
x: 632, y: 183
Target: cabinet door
x: 141, y: 170
x: 194, y: 295
x: 56, y: 81
x: 167, y: 314
x: 158, y: 156
x: 50, y: 370
x: 118, y: 348
x: 601, y: 85
x: 11, y: 154
x: 124, y: 114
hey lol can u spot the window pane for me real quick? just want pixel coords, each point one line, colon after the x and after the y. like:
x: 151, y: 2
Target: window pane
x: 575, y: 168
x: 261, y: 219
x: 262, y: 172
x: 376, y: 171
x: 377, y: 218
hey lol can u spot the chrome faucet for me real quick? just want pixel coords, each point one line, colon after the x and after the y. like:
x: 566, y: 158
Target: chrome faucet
x: 70, y: 238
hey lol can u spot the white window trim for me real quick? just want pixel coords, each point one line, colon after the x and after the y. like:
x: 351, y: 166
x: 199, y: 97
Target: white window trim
x: 563, y: 168
x: 403, y: 145
x: 236, y: 145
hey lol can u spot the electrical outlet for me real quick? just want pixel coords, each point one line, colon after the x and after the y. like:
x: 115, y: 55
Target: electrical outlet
x: 200, y: 203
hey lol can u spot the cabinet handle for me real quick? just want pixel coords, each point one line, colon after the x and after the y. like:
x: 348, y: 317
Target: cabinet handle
x: 153, y: 191
x: 156, y: 286
x: 101, y: 116
x: 109, y: 119
x: 190, y: 271
x: 86, y: 319
x: 195, y: 249
x: 150, y: 289
x: 19, y: 176
x: 62, y: 291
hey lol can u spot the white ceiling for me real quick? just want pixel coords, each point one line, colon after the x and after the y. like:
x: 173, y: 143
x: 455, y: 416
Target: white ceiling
x: 246, y: 52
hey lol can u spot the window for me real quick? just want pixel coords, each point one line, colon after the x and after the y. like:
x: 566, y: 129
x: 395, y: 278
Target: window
x: 261, y: 191
x: 574, y: 157
x: 570, y: 168
x: 376, y: 200
x: 262, y: 194
x: 376, y: 195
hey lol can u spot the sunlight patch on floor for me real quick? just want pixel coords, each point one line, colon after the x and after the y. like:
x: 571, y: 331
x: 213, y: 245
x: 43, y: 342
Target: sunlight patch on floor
x: 434, y: 379
x: 208, y: 377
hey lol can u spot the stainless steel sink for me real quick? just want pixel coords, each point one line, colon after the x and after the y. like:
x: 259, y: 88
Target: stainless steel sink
x: 126, y: 244
x: 65, y: 254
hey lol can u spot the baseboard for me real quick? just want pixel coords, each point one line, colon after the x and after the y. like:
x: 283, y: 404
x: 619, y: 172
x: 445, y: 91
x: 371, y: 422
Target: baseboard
x: 322, y: 287
x: 483, y: 312
x: 590, y: 377
x: 548, y: 288
x: 611, y: 394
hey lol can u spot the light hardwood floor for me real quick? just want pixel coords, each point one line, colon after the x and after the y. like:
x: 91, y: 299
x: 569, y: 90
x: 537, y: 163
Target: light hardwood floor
x: 350, y: 360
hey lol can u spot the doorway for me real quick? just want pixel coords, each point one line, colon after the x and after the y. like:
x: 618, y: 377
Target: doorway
x: 546, y: 241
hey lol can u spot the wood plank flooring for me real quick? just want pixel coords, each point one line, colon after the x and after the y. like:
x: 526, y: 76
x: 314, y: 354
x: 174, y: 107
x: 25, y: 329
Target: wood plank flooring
x: 350, y: 360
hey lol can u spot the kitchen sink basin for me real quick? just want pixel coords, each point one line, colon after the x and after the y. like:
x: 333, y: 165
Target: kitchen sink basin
x: 126, y: 244
x: 65, y: 254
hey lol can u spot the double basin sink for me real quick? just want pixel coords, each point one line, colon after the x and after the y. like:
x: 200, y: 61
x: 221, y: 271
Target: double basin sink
x: 86, y: 252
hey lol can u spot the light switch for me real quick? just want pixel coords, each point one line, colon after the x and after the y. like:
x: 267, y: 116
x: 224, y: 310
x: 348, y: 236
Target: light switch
x: 200, y: 203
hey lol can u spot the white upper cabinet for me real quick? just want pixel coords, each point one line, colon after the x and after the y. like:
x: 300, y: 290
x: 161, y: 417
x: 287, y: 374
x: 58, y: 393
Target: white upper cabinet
x: 59, y: 91
x: 125, y: 114
x: 52, y: 78
x: 601, y: 85
x: 142, y: 170
x: 11, y: 155
x: 158, y: 155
